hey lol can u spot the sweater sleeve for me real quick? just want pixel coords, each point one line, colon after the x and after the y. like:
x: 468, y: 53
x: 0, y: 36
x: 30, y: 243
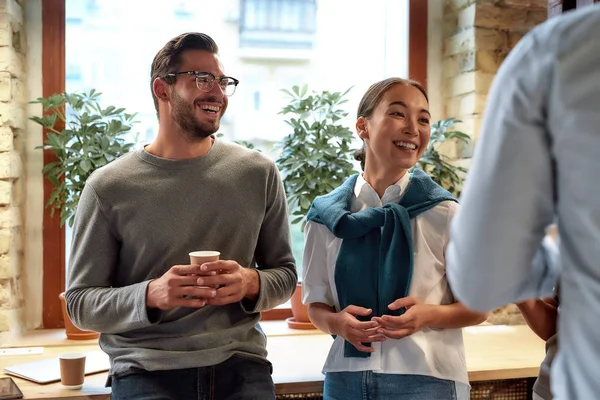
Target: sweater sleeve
x: 92, y: 301
x: 275, y: 263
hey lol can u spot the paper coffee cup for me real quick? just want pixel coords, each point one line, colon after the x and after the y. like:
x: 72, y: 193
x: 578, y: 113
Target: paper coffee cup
x: 72, y: 370
x: 201, y: 257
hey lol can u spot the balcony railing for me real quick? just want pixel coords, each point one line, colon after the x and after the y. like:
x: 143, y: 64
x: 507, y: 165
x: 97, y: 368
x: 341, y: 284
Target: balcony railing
x: 278, y: 23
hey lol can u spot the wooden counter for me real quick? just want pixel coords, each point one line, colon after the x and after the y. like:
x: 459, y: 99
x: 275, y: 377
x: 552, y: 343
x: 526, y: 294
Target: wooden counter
x: 492, y: 352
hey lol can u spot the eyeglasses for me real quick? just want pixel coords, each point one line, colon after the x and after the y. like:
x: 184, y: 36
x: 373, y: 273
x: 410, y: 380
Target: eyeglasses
x: 206, y: 80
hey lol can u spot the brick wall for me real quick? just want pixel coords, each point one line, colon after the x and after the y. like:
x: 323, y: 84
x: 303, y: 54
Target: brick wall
x: 12, y: 123
x: 477, y: 36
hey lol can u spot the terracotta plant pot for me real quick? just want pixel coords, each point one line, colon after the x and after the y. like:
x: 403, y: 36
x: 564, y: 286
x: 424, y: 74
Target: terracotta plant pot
x: 72, y: 331
x: 300, y: 319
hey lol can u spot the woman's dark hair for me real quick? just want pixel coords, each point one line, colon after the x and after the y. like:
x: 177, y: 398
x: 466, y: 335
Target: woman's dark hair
x: 371, y: 99
x: 168, y: 59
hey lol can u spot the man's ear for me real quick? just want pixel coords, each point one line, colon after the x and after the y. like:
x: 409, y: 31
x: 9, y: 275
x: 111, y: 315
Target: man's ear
x: 160, y: 89
x: 361, y: 128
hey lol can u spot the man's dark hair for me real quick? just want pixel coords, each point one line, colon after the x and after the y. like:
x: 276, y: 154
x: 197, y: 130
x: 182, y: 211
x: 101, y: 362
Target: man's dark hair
x: 168, y: 59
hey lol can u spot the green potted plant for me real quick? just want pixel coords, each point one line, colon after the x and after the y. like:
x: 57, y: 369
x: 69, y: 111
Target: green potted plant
x: 84, y: 137
x: 436, y: 164
x: 316, y: 157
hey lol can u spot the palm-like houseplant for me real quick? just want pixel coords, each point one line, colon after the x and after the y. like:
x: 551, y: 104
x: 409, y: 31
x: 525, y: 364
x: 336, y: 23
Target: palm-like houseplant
x: 83, y: 136
x: 316, y: 157
x: 92, y: 137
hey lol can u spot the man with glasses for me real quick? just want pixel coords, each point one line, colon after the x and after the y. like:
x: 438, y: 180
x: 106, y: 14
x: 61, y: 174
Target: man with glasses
x: 175, y: 330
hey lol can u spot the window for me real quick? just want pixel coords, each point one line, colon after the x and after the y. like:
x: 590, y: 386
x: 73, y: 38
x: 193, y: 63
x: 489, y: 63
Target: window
x: 341, y: 55
x: 278, y: 23
x: 183, y: 9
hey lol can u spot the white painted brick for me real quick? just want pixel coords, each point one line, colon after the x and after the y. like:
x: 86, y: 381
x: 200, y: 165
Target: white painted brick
x: 10, y: 217
x: 449, y: 67
x: 5, y: 86
x: 450, y: 25
x: 4, y: 295
x: 462, y: 84
x: 6, y: 138
x: 6, y: 37
x: 466, y: 105
x: 482, y: 60
x: 525, y: 4
x: 466, y: 16
x: 18, y: 192
x: 10, y: 165
x: 5, y: 239
x: 12, y: 9
x: 11, y: 319
x: 460, y: 42
x: 5, y: 193
x: 18, y: 91
x: 9, y: 265
x: 475, y: 39
x: 471, y: 126
x: 453, y: 5
x: 16, y: 240
x: 11, y: 61
x: 469, y: 104
x: 12, y: 114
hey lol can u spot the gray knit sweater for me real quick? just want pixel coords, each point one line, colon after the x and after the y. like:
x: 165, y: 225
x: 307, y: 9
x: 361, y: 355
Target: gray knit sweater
x: 140, y: 215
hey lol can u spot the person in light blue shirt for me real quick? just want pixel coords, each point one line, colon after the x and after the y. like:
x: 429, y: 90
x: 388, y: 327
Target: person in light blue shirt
x: 538, y: 158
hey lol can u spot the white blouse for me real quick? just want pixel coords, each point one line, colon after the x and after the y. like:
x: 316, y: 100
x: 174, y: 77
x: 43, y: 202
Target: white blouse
x: 432, y: 352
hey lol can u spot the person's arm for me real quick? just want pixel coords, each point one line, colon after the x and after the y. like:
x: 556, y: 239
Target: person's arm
x: 275, y: 279
x: 508, y: 198
x: 452, y: 316
x: 316, y: 292
x: 421, y: 315
x: 541, y: 316
x: 92, y: 302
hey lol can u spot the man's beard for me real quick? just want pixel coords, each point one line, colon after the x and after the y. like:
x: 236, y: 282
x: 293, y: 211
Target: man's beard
x: 184, y: 115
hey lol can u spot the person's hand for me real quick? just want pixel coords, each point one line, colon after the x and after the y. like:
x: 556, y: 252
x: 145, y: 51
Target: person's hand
x: 354, y: 331
x: 233, y: 281
x: 176, y: 288
x: 414, y: 319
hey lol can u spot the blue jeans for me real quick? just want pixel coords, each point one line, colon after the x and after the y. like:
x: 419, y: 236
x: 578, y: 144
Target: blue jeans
x: 237, y: 378
x: 366, y: 385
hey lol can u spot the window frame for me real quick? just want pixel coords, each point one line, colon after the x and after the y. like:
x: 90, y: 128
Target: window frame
x: 53, y: 81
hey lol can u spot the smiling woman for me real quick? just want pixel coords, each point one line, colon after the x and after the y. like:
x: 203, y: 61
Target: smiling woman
x: 262, y: 67
x: 374, y: 272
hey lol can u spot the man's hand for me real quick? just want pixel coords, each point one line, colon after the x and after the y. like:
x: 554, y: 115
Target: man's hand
x: 354, y: 331
x: 176, y: 288
x: 413, y: 320
x: 233, y: 281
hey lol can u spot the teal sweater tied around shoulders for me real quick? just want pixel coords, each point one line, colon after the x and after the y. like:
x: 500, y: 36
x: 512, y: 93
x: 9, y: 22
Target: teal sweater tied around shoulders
x: 374, y: 266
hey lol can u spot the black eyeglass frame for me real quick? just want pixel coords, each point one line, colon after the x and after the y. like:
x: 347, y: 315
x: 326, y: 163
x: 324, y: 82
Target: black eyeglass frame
x: 210, y: 82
